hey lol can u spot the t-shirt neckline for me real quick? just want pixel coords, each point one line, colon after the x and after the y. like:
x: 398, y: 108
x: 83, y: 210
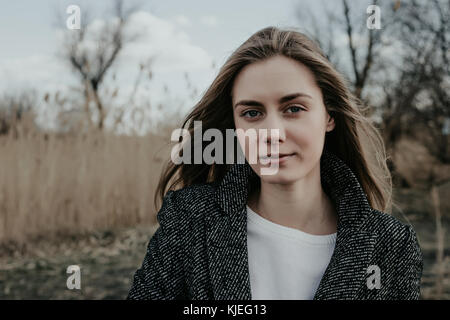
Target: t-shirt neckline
x: 290, y: 232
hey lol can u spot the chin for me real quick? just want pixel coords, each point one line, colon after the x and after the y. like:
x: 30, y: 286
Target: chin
x: 283, y: 176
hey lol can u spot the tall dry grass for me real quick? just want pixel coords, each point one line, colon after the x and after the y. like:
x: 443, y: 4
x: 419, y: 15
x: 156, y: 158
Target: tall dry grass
x: 70, y: 183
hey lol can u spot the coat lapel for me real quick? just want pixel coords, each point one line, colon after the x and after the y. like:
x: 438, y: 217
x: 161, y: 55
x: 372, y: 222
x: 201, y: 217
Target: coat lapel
x: 346, y: 271
x: 227, y: 236
x: 227, y: 233
x: 228, y: 259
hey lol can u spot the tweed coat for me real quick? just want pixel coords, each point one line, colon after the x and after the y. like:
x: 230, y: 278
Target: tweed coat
x: 199, y: 251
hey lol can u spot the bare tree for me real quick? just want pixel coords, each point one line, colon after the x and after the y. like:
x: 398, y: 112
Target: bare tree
x: 323, y: 34
x: 347, y: 20
x: 13, y: 108
x: 404, y: 64
x: 93, y: 63
x: 421, y: 92
x: 360, y: 72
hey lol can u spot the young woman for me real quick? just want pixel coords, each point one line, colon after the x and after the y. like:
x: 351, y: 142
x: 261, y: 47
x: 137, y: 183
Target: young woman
x: 317, y: 228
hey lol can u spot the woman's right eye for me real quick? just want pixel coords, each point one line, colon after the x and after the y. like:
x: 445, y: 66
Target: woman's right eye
x: 252, y: 113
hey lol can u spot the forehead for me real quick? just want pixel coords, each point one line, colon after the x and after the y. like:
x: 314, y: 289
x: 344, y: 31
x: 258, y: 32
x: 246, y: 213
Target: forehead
x: 272, y: 78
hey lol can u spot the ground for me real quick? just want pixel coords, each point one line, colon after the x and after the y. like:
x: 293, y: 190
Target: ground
x: 109, y: 259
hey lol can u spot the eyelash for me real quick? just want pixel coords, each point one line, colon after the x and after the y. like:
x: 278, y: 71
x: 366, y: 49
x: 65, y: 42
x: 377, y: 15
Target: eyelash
x: 293, y: 106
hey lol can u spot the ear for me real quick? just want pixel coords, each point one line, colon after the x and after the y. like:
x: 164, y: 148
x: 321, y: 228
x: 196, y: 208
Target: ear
x: 330, y: 123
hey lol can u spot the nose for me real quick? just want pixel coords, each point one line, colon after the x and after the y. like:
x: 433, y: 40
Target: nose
x: 275, y: 130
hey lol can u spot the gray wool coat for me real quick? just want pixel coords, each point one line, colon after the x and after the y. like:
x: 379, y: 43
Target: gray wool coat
x: 199, y: 251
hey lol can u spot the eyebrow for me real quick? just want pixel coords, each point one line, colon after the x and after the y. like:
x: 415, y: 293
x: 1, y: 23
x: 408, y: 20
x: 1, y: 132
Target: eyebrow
x: 284, y: 99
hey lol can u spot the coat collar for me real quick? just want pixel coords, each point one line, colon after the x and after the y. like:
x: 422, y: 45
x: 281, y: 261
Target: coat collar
x: 227, y: 232
x: 338, y: 181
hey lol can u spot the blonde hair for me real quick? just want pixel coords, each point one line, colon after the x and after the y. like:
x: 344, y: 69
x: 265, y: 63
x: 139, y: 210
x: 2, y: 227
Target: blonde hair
x: 354, y: 139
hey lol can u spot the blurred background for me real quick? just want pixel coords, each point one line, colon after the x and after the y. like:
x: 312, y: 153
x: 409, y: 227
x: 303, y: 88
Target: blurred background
x: 86, y: 116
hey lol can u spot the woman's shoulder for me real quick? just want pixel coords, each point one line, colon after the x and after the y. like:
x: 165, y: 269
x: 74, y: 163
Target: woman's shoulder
x: 193, y: 195
x: 186, y: 203
x: 397, y: 246
x: 390, y: 229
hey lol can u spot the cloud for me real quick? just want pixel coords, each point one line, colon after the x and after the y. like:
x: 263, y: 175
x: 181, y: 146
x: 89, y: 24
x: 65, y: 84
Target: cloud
x: 163, y: 40
x: 210, y: 21
x: 182, y: 20
x: 38, y: 71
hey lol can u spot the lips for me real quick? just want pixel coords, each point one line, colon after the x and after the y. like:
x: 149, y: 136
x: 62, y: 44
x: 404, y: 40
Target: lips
x: 279, y: 155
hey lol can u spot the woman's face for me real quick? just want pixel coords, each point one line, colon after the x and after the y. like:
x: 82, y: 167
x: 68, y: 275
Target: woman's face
x: 281, y: 93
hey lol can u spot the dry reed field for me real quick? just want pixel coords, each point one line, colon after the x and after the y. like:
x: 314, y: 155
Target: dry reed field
x: 70, y: 183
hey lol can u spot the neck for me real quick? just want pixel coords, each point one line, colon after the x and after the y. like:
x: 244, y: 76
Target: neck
x: 301, y: 205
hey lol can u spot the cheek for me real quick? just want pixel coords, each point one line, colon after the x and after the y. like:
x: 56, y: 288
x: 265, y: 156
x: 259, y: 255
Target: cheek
x: 305, y: 135
x: 308, y: 138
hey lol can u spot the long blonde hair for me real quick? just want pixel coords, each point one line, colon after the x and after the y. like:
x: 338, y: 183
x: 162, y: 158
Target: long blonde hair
x: 354, y: 139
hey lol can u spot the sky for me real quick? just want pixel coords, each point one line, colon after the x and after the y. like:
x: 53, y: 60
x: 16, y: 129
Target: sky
x: 188, y: 38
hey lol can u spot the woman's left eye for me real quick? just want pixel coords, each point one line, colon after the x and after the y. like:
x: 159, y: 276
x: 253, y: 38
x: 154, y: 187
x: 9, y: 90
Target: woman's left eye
x: 297, y: 108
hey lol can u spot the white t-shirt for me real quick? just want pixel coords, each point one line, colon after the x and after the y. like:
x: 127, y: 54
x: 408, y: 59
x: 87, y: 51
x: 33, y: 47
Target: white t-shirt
x: 285, y: 263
